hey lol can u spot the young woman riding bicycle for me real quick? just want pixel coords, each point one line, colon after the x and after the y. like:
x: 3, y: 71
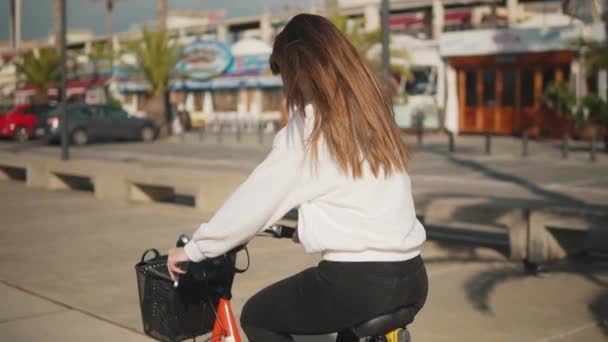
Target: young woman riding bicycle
x: 341, y: 161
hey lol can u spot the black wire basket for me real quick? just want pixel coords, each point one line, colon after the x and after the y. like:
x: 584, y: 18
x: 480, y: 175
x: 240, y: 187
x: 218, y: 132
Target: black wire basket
x: 173, y: 314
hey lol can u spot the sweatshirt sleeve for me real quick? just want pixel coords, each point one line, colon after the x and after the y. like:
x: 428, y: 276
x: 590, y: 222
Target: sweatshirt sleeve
x: 269, y: 192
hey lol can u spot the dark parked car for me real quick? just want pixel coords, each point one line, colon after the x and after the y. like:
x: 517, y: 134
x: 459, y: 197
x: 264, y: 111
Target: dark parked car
x: 88, y: 123
x: 24, y: 122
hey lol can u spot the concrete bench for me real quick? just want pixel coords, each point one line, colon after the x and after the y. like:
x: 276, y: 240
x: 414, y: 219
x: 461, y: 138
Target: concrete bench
x: 206, y: 190
x: 124, y: 181
x: 12, y: 168
x: 493, y: 221
x: 556, y: 232
x: 536, y: 231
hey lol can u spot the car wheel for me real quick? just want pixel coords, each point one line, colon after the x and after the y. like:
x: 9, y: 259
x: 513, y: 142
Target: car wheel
x: 21, y: 134
x: 80, y: 137
x: 147, y: 134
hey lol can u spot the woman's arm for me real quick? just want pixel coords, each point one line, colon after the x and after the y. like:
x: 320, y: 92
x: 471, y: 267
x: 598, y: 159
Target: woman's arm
x: 267, y: 195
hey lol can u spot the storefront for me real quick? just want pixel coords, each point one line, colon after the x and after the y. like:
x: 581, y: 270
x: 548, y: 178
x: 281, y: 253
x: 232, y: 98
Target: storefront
x: 230, y: 84
x: 425, y: 90
x: 498, y: 77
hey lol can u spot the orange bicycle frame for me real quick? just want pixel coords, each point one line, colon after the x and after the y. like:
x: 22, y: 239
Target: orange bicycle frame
x: 225, y: 326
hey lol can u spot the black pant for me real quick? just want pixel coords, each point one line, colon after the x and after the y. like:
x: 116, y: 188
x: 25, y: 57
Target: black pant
x: 333, y: 297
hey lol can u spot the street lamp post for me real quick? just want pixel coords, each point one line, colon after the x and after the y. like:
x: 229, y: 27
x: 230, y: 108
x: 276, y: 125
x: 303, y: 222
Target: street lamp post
x: 65, y: 155
x: 385, y: 41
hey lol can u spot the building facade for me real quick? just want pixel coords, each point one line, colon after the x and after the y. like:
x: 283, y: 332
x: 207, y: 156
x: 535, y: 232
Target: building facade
x: 477, y: 65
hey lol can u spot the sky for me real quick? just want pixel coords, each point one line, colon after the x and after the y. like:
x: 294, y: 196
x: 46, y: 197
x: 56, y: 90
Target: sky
x: 37, y: 15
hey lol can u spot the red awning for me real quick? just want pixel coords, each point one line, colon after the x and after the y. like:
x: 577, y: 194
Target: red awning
x: 74, y: 87
x: 402, y: 20
x: 457, y: 16
x: 451, y: 17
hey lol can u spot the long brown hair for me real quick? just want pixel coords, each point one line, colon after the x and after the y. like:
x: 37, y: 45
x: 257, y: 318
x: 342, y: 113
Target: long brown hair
x: 353, y: 113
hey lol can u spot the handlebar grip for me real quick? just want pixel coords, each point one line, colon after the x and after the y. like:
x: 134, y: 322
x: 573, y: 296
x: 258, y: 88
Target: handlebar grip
x: 182, y: 240
x: 281, y: 231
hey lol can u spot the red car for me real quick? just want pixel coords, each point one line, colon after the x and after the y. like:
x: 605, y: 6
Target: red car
x: 24, y: 122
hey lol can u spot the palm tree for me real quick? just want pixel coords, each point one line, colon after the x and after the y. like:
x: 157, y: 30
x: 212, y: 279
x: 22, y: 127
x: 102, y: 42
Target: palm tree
x: 109, y: 4
x: 41, y: 71
x: 161, y: 14
x: 156, y: 56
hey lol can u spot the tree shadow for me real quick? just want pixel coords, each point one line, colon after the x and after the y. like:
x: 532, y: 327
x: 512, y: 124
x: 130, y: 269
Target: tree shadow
x: 599, y: 310
x: 515, y: 180
x: 479, y: 287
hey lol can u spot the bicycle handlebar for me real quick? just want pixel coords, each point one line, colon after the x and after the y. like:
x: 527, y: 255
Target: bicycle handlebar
x: 277, y: 231
x: 280, y: 231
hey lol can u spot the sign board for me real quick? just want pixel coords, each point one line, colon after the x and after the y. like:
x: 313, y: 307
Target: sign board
x: 505, y: 41
x: 203, y: 59
x: 249, y: 64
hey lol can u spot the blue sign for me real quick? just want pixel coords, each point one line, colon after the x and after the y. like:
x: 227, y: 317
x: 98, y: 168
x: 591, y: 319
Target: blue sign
x: 203, y: 59
x: 249, y: 64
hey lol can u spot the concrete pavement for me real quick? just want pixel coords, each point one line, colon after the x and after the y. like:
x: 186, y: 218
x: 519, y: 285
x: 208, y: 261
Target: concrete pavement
x: 66, y: 271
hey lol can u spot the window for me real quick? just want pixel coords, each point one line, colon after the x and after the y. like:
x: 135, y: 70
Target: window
x: 489, y: 87
x: 198, y: 100
x: 548, y: 77
x: 128, y: 98
x: 141, y: 101
x: 592, y: 83
x: 423, y: 82
x: 272, y: 100
x: 40, y: 111
x: 508, y: 88
x: 471, y: 88
x: 225, y: 100
x: 81, y: 111
x: 115, y: 113
x: 527, y: 88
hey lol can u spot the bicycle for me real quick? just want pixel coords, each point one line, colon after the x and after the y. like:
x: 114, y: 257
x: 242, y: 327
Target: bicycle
x: 390, y: 327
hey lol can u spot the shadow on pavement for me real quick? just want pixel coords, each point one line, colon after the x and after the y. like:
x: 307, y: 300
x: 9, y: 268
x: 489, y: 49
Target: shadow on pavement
x: 599, y: 310
x: 515, y: 180
x: 479, y: 287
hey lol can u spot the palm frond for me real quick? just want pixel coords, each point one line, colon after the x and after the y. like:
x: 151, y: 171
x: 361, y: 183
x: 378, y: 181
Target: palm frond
x: 364, y: 40
x: 156, y: 56
x: 559, y: 98
x: 42, y: 70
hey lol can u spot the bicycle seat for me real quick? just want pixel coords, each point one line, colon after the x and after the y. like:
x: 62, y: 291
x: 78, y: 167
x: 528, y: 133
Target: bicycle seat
x: 386, y: 323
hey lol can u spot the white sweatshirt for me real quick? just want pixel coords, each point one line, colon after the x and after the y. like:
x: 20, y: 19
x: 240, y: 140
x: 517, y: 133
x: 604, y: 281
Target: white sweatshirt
x: 367, y: 219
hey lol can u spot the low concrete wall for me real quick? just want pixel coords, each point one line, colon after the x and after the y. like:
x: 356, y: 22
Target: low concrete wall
x: 119, y: 181
x: 496, y: 217
x: 536, y: 232
x: 555, y: 233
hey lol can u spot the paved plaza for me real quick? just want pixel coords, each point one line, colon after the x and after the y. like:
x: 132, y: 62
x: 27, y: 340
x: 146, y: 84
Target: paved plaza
x: 66, y: 258
x: 66, y: 274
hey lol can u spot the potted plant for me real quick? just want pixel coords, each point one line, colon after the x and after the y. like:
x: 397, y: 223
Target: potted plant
x: 597, y: 120
x: 559, y: 98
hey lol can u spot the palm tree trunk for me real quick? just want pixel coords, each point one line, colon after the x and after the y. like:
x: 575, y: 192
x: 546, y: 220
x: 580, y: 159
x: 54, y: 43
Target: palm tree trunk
x: 58, y: 9
x: 109, y: 19
x: 161, y: 14
x: 156, y: 109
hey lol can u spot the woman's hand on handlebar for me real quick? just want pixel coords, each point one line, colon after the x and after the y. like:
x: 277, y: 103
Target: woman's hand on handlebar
x: 175, y: 257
